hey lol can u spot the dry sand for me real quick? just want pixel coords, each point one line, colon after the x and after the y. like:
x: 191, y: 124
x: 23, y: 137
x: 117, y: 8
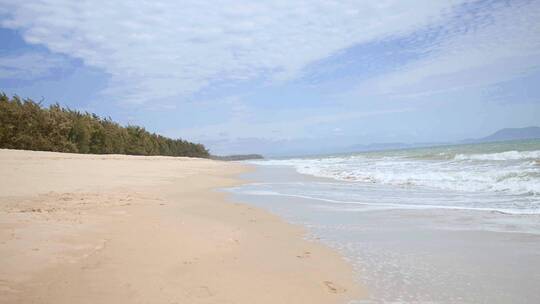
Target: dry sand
x: 126, y: 229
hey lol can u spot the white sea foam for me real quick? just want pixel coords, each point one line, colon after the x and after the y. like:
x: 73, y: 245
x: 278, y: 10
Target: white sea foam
x: 511, y: 172
x: 354, y: 205
x: 502, y: 156
x: 386, y: 211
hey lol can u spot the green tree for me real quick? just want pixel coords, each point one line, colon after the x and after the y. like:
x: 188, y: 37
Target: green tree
x: 25, y: 124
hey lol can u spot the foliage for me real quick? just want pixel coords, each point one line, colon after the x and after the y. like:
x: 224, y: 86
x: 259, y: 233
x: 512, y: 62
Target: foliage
x: 25, y: 124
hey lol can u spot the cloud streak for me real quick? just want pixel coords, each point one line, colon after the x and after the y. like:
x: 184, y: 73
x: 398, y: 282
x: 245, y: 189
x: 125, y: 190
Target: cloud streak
x: 154, y: 50
x: 496, y: 43
x: 29, y: 66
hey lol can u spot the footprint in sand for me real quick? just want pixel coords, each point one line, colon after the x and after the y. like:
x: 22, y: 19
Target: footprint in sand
x: 304, y: 255
x: 333, y: 288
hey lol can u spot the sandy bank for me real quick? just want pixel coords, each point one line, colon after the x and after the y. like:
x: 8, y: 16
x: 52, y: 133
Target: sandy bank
x: 124, y: 229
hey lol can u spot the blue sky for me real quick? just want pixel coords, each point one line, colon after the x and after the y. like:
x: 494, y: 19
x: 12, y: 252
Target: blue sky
x: 281, y: 77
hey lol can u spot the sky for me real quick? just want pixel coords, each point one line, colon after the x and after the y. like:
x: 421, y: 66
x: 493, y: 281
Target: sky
x: 281, y: 77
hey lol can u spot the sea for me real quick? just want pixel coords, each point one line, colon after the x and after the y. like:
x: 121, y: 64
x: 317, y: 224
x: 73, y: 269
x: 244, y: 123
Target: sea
x: 446, y: 224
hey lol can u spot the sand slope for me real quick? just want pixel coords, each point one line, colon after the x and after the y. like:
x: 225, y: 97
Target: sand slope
x: 125, y: 229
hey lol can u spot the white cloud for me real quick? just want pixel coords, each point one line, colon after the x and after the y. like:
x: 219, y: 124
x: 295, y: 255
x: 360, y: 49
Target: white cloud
x: 502, y: 44
x: 28, y: 66
x: 159, y: 49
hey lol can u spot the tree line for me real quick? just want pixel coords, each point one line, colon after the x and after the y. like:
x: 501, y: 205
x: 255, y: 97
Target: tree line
x: 25, y: 124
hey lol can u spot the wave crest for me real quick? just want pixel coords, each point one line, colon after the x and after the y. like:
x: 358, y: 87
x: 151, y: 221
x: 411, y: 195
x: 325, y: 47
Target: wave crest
x: 511, y: 172
x: 501, y: 156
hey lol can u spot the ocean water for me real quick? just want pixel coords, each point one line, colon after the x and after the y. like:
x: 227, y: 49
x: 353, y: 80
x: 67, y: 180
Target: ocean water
x: 503, y: 177
x: 453, y: 224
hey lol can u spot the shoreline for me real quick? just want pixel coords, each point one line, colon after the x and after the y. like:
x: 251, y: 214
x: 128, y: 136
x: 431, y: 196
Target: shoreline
x: 114, y: 228
x: 409, y: 255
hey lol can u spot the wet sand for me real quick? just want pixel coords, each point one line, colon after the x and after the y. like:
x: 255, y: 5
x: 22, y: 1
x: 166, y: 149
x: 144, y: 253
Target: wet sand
x: 412, y: 255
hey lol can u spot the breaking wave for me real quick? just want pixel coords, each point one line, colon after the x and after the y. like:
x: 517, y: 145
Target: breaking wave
x: 511, y: 172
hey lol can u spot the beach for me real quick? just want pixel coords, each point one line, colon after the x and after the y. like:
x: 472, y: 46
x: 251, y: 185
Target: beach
x: 454, y: 224
x: 135, y: 229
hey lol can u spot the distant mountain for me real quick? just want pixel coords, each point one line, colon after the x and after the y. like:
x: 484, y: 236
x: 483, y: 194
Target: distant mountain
x: 509, y: 134
x: 501, y: 135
